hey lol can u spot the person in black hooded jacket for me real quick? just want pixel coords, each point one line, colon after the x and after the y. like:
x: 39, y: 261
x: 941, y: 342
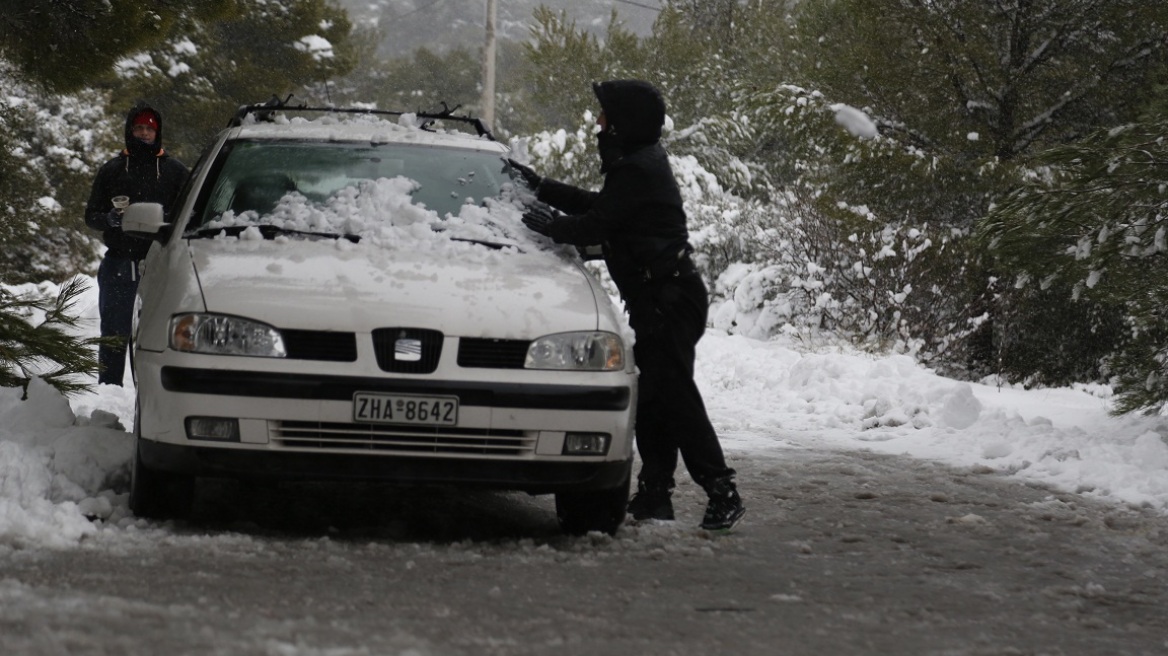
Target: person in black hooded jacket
x: 142, y: 173
x: 638, y: 219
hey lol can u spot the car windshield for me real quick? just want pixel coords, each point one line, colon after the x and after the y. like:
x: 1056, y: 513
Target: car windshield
x: 253, y: 177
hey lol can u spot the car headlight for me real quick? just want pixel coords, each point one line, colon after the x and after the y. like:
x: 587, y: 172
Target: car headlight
x: 221, y: 334
x: 591, y: 351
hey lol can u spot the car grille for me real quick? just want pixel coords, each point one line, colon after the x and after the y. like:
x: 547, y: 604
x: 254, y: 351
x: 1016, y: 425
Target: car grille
x: 407, y: 350
x: 492, y: 353
x: 320, y: 345
x: 414, y: 440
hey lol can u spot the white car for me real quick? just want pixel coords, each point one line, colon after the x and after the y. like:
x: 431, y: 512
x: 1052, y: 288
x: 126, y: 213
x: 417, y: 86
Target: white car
x: 342, y: 296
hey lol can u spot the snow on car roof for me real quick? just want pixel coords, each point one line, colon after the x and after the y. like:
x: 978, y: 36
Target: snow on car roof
x: 366, y: 128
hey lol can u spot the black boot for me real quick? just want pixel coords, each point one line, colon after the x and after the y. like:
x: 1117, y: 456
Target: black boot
x: 652, y: 501
x: 725, y: 508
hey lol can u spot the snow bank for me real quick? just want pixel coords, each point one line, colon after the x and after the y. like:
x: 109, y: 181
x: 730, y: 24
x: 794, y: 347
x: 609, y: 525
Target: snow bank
x: 760, y: 393
x: 56, y: 470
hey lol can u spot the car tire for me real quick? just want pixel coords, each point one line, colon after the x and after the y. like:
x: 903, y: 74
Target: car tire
x: 594, y: 510
x: 155, y: 494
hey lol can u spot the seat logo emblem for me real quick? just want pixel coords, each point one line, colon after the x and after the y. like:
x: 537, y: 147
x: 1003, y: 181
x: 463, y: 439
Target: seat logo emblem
x: 406, y: 349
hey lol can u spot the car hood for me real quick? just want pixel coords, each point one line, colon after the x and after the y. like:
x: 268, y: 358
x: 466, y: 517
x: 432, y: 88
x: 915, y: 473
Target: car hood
x: 336, y: 285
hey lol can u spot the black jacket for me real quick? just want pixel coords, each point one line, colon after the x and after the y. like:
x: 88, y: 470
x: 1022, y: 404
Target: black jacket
x: 637, y: 215
x: 144, y: 173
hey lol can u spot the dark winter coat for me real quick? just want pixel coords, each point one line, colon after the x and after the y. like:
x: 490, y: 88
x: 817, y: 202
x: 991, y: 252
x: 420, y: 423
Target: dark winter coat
x: 144, y: 173
x: 637, y: 216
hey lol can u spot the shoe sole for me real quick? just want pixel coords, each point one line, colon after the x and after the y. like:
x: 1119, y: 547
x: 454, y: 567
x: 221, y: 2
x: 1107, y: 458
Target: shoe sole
x: 726, y: 528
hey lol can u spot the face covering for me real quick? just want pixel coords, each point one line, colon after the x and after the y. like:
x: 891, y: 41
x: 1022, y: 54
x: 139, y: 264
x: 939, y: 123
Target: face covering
x: 611, y: 149
x: 140, y: 148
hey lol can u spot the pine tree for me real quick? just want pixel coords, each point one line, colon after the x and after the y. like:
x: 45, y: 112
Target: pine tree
x: 47, y: 161
x: 1093, y: 222
x: 47, y: 51
x: 871, y: 234
x: 566, y: 61
x: 206, y: 68
x: 977, y: 89
x: 66, y: 45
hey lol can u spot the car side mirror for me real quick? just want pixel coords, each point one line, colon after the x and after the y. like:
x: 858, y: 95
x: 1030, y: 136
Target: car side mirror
x: 146, y: 220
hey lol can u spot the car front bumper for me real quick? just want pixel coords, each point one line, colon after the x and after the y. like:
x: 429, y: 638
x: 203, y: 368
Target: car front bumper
x: 531, y: 476
x: 298, y: 425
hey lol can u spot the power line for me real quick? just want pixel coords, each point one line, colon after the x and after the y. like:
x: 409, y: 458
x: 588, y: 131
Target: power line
x: 639, y: 5
x: 417, y: 9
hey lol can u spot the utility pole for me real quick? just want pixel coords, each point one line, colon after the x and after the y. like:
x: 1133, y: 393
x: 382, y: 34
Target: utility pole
x: 488, y: 99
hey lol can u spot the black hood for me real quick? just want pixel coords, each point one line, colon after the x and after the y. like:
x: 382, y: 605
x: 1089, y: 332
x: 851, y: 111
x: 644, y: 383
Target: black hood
x: 135, y: 147
x: 634, y: 109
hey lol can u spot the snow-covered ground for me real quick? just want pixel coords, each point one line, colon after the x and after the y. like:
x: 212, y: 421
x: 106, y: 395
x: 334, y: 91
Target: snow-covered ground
x: 61, y: 458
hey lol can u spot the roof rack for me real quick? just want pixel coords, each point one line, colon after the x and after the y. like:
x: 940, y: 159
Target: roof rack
x: 263, y: 112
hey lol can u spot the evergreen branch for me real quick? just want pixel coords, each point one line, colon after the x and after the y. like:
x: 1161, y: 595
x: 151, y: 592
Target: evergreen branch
x: 45, y: 349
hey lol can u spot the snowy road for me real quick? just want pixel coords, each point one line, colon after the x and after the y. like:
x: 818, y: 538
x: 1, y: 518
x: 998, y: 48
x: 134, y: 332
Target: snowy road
x: 841, y: 554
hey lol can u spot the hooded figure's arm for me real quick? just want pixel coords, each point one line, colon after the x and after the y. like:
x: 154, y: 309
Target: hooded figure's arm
x: 98, y: 207
x: 606, y: 212
x: 565, y: 197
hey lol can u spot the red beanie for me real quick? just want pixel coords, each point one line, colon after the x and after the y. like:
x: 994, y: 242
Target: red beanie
x: 145, y: 117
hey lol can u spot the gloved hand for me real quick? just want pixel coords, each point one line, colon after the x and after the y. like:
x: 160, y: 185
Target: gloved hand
x: 529, y: 176
x: 538, y: 218
x: 114, y: 218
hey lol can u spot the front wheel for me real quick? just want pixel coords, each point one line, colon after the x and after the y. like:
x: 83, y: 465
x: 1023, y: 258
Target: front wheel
x: 593, y: 510
x: 155, y: 494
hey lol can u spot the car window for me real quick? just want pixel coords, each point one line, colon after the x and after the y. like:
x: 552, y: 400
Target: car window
x: 253, y: 176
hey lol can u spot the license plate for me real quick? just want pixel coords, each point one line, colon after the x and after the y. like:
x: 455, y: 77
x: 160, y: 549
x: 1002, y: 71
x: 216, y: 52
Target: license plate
x: 378, y: 408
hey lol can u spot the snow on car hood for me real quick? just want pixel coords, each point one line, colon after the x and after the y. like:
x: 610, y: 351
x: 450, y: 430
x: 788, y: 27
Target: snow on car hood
x: 410, y: 268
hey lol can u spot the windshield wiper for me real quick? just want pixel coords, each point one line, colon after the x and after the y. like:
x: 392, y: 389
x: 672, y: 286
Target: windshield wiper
x: 267, y: 230
x: 493, y: 245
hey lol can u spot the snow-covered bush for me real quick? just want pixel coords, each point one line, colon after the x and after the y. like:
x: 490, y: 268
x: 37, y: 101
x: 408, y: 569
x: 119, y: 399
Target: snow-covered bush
x: 787, y: 251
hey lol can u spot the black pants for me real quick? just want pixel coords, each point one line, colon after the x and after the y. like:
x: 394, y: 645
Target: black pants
x: 669, y: 317
x: 117, y: 283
